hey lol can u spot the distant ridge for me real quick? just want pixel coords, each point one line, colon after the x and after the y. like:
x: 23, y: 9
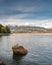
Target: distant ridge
x: 29, y: 29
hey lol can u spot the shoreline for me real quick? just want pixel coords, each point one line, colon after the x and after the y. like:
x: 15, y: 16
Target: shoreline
x: 2, y: 34
x: 34, y: 33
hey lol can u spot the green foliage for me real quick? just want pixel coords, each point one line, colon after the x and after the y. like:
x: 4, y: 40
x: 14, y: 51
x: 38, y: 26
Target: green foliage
x: 4, y: 29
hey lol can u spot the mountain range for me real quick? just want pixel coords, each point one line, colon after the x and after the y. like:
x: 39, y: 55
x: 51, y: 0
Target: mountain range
x: 29, y: 29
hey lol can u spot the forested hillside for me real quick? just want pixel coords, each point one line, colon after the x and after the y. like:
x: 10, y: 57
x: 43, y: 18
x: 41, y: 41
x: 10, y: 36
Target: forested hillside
x: 4, y: 29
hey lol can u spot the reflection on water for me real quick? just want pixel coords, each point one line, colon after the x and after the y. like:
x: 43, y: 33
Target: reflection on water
x: 18, y: 57
x: 39, y: 48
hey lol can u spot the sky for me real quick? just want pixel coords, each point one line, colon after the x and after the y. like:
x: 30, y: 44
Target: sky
x: 26, y: 12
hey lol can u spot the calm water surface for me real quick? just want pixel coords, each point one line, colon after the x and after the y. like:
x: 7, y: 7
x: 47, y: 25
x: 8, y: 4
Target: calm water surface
x: 39, y: 48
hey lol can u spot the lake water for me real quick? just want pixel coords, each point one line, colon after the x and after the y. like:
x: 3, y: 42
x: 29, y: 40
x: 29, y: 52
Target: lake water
x: 39, y: 48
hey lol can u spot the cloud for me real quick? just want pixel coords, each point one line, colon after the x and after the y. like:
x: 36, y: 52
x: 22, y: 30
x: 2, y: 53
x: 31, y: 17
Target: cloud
x: 28, y: 12
x: 30, y: 6
x: 32, y: 9
x: 16, y: 16
x: 42, y: 23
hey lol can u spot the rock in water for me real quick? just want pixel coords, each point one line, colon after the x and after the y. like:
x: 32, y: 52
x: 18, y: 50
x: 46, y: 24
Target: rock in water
x: 19, y: 50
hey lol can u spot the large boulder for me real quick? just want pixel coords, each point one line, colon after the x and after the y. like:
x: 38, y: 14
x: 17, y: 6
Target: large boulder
x: 19, y: 50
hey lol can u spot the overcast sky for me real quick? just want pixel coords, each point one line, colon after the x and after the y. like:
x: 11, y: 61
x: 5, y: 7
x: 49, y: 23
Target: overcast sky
x: 26, y: 12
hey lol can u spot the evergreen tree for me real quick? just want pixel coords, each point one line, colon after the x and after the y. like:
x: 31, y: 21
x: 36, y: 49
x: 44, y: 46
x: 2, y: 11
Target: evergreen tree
x: 4, y: 29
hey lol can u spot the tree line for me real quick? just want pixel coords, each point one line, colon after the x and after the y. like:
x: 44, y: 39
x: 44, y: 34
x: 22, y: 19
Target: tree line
x: 4, y: 29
